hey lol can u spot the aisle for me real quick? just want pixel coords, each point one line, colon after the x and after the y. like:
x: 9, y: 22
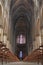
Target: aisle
x: 21, y: 63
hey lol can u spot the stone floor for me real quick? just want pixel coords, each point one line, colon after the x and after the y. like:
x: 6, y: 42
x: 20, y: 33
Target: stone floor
x: 20, y: 63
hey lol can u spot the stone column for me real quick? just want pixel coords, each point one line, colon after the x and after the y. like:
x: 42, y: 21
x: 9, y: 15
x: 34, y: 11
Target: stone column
x: 38, y: 34
x: 9, y: 45
x: 37, y: 40
x: 42, y: 35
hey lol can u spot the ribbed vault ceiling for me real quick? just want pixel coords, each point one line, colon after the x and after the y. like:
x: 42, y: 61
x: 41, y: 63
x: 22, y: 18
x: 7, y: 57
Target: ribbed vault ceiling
x: 22, y: 10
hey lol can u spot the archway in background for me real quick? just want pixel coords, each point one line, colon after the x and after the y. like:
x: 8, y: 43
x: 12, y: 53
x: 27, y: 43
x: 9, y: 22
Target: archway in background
x: 21, y: 20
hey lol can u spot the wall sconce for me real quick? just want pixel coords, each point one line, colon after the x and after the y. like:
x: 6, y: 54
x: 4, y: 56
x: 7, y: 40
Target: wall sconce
x: 1, y: 33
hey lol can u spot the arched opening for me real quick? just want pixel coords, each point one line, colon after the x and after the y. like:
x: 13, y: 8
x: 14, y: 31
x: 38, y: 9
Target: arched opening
x: 21, y: 20
x: 21, y: 39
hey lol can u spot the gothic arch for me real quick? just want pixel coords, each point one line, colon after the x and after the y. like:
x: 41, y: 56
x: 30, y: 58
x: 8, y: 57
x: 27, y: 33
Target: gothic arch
x: 1, y: 14
x: 1, y: 8
x: 0, y: 11
x: 22, y: 11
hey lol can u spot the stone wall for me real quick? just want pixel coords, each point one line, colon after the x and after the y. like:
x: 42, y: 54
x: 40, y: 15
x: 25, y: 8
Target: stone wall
x: 4, y: 21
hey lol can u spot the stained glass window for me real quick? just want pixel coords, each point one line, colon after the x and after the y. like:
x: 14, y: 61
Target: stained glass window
x: 21, y: 39
x: 20, y: 55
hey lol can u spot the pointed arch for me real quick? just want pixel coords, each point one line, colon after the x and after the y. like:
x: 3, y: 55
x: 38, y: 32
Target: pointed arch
x: 1, y: 9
